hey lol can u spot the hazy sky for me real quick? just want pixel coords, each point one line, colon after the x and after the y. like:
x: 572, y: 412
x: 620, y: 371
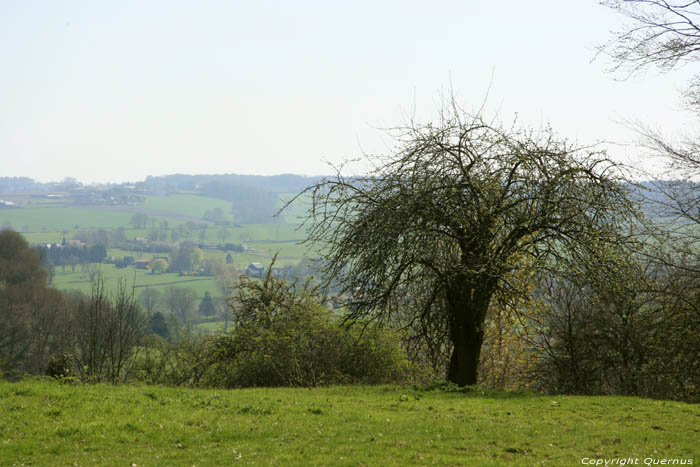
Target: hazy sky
x: 118, y: 90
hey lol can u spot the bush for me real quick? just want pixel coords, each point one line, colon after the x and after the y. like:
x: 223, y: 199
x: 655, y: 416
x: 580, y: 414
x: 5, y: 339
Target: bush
x: 309, y: 351
x: 62, y: 368
x: 284, y: 336
x: 183, y: 363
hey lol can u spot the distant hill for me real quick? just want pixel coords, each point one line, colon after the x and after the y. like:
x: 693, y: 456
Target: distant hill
x: 285, y: 183
x: 255, y: 199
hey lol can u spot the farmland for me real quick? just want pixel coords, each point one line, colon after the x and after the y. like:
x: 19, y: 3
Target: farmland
x: 48, y: 220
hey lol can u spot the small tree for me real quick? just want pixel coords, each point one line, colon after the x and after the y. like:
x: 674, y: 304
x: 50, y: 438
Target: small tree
x: 139, y: 220
x: 224, y: 235
x: 92, y: 270
x: 181, y: 301
x: 284, y: 335
x: 206, y: 306
x: 108, y: 329
x: 159, y: 266
x: 158, y: 325
x: 149, y: 299
x: 438, y: 225
x: 186, y: 257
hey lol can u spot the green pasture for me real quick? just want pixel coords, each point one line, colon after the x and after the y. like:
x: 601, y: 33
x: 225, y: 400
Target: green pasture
x: 139, y: 278
x: 250, y: 232
x: 46, y: 423
x: 188, y: 205
x: 287, y: 251
x: 52, y: 216
x: 266, y: 232
x: 44, y: 237
x: 53, y: 219
x: 298, y: 210
x: 212, y: 327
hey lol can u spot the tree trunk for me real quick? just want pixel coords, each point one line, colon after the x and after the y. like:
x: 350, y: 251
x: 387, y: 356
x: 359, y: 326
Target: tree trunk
x: 466, y: 308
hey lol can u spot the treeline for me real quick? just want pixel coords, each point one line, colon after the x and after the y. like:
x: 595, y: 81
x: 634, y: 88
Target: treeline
x: 21, y: 185
x: 40, y: 324
x: 67, y: 255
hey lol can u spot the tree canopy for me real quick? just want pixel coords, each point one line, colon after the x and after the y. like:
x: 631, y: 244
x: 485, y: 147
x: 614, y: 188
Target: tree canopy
x: 441, y: 222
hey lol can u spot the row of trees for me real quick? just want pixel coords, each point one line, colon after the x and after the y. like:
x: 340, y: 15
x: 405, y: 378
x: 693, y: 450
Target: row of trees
x: 72, y: 255
x: 41, y: 323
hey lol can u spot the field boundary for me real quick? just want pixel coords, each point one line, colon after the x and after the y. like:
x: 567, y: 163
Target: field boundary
x: 171, y: 282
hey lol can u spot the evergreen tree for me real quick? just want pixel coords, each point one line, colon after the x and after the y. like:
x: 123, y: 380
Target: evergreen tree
x: 206, y: 307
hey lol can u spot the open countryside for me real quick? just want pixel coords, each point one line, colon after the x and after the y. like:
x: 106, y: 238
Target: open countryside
x: 502, y: 271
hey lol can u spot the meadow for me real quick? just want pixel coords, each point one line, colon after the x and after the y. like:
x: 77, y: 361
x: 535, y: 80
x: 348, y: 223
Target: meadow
x: 138, y: 278
x: 44, y: 215
x: 46, y: 423
x: 48, y: 220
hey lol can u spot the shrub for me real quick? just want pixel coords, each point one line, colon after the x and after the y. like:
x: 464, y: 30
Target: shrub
x: 284, y: 336
x: 183, y: 363
x: 62, y: 368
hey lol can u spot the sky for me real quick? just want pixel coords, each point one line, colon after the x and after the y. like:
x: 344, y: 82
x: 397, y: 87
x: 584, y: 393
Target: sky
x: 116, y: 91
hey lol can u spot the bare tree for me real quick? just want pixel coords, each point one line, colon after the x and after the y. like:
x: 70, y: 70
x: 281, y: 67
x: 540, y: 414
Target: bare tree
x: 661, y: 33
x: 440, y: 223
x: 665, y: 34
x: 107, y: 332
x: 181, y: 301
x: 150, y: 299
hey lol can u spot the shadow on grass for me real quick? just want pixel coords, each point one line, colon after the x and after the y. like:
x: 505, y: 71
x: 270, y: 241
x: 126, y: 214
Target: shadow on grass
x: 476, y: 391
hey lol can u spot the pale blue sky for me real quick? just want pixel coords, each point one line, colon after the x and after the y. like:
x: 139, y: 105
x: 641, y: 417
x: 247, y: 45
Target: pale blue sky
x: 116, y: 91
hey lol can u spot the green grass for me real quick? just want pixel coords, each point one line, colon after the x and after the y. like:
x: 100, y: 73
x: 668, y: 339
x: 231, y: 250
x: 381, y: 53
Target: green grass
x: 212, y: 327
x: 140, y: 278
x: 45, y: 237
x: 43, y: 423
x: 286, y: 250
x: 189, y: 205
x: 53, y: 219
x: 297, y: 211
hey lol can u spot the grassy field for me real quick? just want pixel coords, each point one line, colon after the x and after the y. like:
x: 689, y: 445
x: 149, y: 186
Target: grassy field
x: 140, y: 278
x: 188, y: 205
x: 56, y: 219
x: 43, y: 215
x: 44, y: 423
x: 49, y: 216
x: 297, y: 211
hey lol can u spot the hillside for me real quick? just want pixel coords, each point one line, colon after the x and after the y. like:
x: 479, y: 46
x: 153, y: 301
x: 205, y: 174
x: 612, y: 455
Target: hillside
x: 50, y: 424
